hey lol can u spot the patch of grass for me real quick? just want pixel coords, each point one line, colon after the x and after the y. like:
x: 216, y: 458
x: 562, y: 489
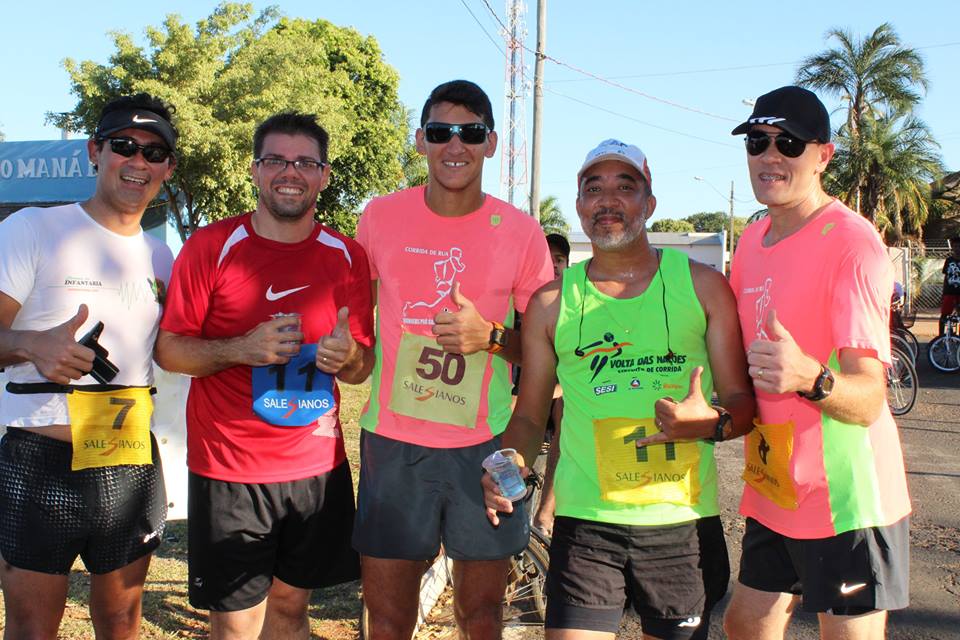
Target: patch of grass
x: 166, y: 613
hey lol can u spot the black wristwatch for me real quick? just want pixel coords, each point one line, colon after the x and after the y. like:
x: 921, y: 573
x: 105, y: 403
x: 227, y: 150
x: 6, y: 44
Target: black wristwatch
x: 724, y: 426
x: 822, y: 386
x: 498, y: 337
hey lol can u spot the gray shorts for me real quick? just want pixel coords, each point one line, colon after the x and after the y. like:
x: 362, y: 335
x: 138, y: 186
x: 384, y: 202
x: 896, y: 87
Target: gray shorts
x: 411, y: 498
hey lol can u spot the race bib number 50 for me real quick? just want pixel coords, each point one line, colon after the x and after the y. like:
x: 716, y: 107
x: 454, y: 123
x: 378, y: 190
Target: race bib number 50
x: 431, y: 384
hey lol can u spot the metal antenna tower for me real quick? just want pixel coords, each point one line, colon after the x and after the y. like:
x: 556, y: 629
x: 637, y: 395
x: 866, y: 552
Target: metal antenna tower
x: 513, y: 163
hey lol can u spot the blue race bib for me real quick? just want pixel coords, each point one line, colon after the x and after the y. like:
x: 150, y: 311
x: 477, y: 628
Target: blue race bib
x: 295, y: 394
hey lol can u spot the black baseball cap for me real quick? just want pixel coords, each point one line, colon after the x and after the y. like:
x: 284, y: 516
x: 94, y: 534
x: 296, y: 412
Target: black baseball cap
x: 144, y: 119
x: 796, y: 110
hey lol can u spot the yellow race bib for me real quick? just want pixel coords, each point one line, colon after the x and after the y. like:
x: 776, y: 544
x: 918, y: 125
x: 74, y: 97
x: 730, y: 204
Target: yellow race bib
x: 646, y: 475
x: 110, y: 428
x: 431, y: 384
x: 767, y: 463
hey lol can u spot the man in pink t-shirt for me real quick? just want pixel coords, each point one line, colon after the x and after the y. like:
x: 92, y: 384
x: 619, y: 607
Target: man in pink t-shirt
x: 825, y: 495
x: 450, y: 265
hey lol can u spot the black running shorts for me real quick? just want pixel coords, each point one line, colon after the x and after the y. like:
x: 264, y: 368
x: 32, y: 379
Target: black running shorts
x: 109, y: 516
x: 412, y: 497
x: 672, y: 575
x: 851, y: 573
x: 241, y: 536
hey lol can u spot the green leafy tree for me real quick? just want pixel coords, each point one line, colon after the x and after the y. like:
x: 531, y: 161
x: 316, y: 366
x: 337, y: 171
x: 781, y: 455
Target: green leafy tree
x: 709, y: 221
x: 231, y: 71
x: 899, y: 159
x: 551, y: 217
x: 877, y: 77
x: 670, y: 225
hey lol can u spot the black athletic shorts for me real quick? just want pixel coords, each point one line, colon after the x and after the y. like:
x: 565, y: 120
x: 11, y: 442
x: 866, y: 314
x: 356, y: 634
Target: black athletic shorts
x: 852, y: 573
x: 240, y: 536
x: 412, y: 497
x: 672, y: 575
x: 49, y: 514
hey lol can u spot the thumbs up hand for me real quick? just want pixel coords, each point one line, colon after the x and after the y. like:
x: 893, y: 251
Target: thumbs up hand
x: 778, y: 364
x: 690, y: 419
x: 56, y: 353
x: 463, y: 330
x: 336, y: 350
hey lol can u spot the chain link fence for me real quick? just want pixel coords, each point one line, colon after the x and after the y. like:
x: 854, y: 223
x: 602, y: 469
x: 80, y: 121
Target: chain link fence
x: 927, y: 273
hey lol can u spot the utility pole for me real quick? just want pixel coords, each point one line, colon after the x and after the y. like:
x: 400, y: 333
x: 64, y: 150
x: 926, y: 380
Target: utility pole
x: 513, y: 160
x: 538, y: 108
x: 731, y: 224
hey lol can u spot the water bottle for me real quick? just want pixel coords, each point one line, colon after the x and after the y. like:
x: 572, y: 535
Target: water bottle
x: 503, y: 469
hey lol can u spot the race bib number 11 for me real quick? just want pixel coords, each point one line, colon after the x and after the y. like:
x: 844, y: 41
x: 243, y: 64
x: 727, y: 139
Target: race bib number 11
x: 295, y: 394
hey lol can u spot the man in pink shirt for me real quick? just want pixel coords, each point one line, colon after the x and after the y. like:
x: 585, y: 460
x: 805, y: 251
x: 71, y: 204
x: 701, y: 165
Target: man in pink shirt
x: 449, y: 265
x: 825, y: 495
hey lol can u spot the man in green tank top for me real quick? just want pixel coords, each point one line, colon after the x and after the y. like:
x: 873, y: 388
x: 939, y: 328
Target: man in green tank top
x: 638, y: 338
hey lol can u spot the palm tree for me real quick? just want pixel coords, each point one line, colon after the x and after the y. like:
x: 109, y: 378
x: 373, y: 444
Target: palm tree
x: 551, y: 217
x: 876, y: 76
x: 896, y: 157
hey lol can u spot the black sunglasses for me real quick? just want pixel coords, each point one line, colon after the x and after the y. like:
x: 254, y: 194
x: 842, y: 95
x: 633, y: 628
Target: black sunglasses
x: 441, y: 132
x: 128, y: 147
x: 788, y: 145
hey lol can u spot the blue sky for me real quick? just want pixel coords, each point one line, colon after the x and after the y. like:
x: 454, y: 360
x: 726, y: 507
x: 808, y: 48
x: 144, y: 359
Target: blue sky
x: 684, y: 69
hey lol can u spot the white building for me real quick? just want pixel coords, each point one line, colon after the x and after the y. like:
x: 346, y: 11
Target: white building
x: 708, y: 248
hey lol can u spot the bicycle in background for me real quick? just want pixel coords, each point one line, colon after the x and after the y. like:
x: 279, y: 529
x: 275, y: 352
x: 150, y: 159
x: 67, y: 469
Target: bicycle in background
x: 944, y: 350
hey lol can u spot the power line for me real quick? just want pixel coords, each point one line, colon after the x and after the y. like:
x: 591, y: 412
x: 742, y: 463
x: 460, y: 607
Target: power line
x: 561, y: 63
x: 637, y: 120
x: 482, y: 28
x: 683, y: 73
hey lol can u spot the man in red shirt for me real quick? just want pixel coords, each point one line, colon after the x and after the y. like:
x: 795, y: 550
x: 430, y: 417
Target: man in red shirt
x: 265, y: 311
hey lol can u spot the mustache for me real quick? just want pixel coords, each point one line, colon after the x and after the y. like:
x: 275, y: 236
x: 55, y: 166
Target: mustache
x: 607, y: 211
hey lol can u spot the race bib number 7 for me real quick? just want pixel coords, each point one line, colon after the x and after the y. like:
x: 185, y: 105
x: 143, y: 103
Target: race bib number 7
x: 431, y: 384
x: 110, y: 428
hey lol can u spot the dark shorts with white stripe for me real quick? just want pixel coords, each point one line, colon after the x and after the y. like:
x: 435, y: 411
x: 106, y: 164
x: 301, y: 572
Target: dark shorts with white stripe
x: 672, y: 576
x: 849, y: 574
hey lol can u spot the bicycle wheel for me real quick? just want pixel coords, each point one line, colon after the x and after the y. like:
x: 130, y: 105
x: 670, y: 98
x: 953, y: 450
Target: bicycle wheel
x: 911, y: 341
x: 944, y: 353
x: 525, y: 601
x: 902, y: 384
x: 899, y: 342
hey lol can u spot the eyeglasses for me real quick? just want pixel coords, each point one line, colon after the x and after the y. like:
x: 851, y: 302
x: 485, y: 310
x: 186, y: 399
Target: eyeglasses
x: 788, y: 146
x: 305, y: 167
x: 128, y: 147
x: 441, y: 132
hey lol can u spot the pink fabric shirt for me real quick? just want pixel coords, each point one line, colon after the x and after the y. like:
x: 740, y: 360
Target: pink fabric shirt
x: 499, y: 257
x: 830, y: 283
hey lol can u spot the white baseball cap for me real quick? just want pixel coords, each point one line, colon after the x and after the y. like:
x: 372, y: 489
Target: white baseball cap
x: 611, y: 149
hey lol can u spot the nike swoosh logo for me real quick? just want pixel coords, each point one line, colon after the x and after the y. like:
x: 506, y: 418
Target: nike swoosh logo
x: 847, y: 589
x: 141, y: 120
x: 271, y: 296
x: 690, y: 622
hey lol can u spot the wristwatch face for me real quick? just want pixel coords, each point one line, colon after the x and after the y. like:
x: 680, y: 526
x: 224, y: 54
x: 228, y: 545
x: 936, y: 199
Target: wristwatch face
x: 724, y: 425
x: 822, y: 386
x: 825, y: 383
x: 498, y: 337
